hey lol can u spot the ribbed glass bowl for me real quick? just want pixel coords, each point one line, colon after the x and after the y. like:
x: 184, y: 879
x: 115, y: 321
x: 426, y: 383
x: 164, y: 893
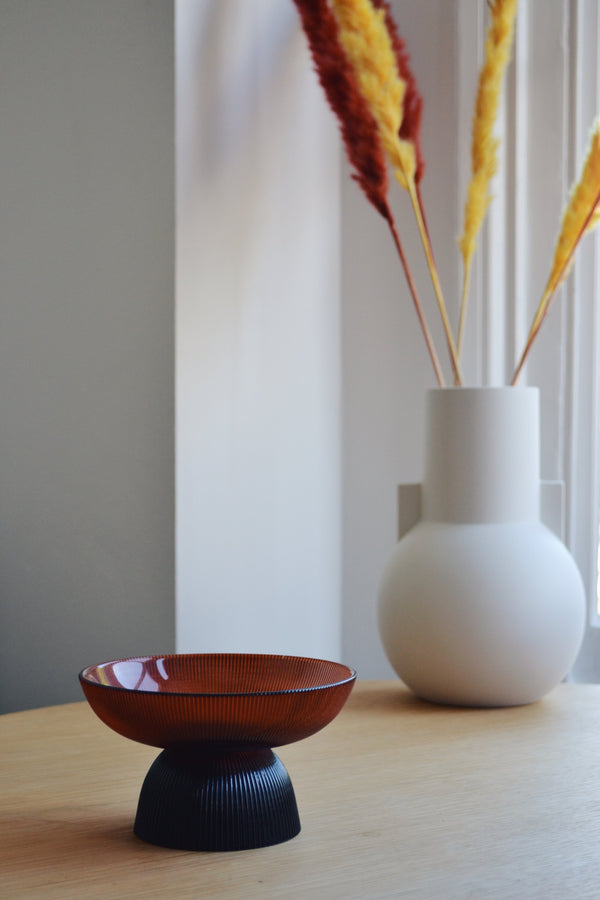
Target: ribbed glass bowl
x: 217, y: 785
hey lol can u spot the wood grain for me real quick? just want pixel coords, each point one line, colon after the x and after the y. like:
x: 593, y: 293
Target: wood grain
x: 397, y: 798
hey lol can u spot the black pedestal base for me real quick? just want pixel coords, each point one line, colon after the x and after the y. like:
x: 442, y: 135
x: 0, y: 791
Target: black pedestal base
x: 224, y: 800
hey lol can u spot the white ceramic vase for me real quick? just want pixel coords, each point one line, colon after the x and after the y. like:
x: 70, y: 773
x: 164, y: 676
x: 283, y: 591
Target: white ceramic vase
x: 481, y: 604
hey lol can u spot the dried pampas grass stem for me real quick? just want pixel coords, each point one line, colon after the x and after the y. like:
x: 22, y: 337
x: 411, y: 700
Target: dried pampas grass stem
x: 366, y: 40
x: 484, y: 145
x: 410, y: 129
x: 360, y: 130
x: 373, y: 49
x: 358, y: 127
x: 581, y: 216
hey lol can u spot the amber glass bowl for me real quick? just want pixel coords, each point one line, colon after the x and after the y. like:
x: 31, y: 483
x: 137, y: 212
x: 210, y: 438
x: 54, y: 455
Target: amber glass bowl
x: 217, y: 785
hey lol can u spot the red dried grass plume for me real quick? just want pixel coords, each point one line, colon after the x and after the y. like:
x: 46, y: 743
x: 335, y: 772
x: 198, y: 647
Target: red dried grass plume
x: 357, y: 125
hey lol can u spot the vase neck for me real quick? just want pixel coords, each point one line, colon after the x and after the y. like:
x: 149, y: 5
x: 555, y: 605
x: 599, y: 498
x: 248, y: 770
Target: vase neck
x: 482, y: 455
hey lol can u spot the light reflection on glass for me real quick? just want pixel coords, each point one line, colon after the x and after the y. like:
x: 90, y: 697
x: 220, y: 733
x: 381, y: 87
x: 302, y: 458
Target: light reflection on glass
x: 160, y: 665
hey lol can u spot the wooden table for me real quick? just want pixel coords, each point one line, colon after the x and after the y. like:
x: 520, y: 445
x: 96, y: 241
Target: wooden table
x: 397, y: 798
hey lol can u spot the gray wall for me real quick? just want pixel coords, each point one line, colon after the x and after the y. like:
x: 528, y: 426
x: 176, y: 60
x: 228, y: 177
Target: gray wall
x: 86, y: 339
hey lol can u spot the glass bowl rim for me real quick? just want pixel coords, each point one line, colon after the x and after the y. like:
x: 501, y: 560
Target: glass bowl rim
x: 352, y: 675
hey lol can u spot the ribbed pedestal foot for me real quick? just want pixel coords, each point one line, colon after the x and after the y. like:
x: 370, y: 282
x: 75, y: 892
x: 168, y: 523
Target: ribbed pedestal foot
x: 238, y: 800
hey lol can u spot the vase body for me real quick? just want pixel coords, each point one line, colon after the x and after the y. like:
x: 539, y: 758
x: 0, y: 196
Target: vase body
x: 481, y: 604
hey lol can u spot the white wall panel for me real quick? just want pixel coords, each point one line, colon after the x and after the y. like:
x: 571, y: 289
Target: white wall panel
x: 258, y: 413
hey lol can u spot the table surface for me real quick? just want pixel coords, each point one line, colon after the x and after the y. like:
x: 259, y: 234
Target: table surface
x: 397, y: 798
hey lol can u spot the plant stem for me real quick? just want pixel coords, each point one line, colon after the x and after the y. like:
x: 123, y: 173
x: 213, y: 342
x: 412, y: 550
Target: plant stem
x: 533, y: 331
x: 435, y: 280
x: 417, y: 303
x: 463, y: 311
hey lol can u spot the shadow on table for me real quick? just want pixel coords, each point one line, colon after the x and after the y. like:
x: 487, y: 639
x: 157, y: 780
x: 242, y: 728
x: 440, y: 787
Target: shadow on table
x: 395, y: 698
x: 85, y: 842
x: 388, y: 696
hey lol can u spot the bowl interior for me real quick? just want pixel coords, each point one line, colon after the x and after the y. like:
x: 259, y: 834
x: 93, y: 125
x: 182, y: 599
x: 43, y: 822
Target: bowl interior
x: 217, y: 674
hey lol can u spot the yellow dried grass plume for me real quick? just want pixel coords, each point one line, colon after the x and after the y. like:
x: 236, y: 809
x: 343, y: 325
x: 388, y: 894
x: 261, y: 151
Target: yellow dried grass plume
x: 367, y: 43
x: 484, y: 146
x: 581, y: 215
